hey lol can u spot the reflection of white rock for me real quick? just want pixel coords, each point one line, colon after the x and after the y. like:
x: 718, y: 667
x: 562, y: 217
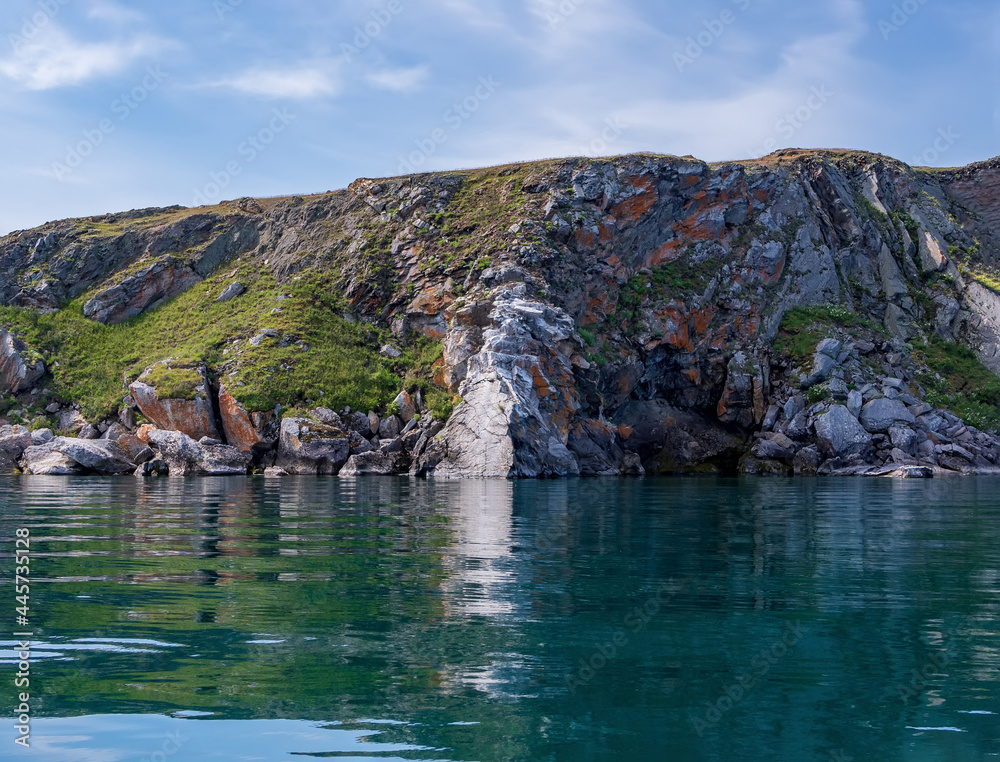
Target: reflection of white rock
x: 482, y: 580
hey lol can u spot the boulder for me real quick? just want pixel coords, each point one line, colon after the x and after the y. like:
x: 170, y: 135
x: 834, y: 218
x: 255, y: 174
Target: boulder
x: 14, y: 440
x: 807, y: 461
x: 406, y: 407
x: 904, y: 438
x: 192, y: 415
x: 46, y: 460
x: 275, y: 471
x: 243, y: 430
x: 231, y: 292
x: 855, y: 401
x: 154, y: 467
x: 186, y: 457
x: 42, y: 436
x: 312, y: 448
x: 165, y: 278
x: 99, y: 455
x: 390, y: 427
x: 20, y: 369
x: 380, y: 463
x: 839, y: 434
x: 595, y: 446
x: 879, y: 415
x: 71, y: 422
x: 743, y: 397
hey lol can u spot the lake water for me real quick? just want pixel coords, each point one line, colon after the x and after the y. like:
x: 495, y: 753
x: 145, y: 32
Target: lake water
x: 252, y: 619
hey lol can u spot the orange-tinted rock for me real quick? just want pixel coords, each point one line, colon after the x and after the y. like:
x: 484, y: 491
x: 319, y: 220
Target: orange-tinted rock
x: 193, y: 417
x: 236, y: 422
x: 143, y: 432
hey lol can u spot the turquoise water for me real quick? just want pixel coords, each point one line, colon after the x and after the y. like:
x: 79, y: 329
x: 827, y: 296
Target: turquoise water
x: 251, y: 619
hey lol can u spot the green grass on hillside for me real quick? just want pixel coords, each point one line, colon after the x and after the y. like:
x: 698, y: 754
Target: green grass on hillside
x: 342, y: 366
x: 968, y: 389
x: 804, y: 327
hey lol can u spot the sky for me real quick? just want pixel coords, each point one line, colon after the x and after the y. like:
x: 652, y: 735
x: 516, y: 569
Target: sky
x: 109, y: 105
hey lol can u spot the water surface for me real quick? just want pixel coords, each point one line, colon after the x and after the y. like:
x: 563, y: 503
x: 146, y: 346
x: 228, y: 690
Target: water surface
x: 253, y: 619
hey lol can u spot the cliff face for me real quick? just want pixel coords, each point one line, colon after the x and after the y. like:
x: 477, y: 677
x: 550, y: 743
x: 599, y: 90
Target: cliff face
x: 644, y: 313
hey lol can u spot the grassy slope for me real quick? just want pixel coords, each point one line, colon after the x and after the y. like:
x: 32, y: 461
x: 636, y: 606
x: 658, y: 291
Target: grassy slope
x: 342, y: 367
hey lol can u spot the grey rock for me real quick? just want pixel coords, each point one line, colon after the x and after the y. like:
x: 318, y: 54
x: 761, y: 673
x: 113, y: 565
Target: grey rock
x: 309, y: 448
x: 19, y: 370
x: 390, y: 427
x: 186, y: 457
x: 798, y: 427
x: 823, y: 366
x: 154, y: 467
x: 838, y: 433
x: 406, y: 407
x: 101, y: 455
x: 209, y: 441
x: 45, y: 460
x: 794, y: 406
x: 362, y: 424
x: 909, y: 472
x: 52, y: 408
x: 275, y: 471
x: 89, y: 432
x: 391, y: 352
x: 231, y: 292
x: 830, y: 347
x: 328, y: 417
x: 380, y: 463
x: 807, y: 461
x: 855, y: 402
x: 904, y: 438
x: 879, y: 415
x: 769, y: 450
x: 771, y: 417
x: 42, y: 436
x: 14, y: 440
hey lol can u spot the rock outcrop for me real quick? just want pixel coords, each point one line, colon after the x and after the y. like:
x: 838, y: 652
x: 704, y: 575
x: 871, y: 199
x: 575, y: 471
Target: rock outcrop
x: 808, y: 312
x: 194, y: 417
x: 19, y: 369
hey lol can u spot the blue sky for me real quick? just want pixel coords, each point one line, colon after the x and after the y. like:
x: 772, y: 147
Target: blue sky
x: 111, y: 105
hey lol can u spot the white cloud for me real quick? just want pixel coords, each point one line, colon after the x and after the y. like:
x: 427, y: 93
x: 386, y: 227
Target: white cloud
x: 57, y: 60
x: 312, y: 81
x: 398, y: 80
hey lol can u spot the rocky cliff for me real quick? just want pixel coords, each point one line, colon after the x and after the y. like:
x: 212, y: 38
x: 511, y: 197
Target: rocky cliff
x: 809, y: 312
